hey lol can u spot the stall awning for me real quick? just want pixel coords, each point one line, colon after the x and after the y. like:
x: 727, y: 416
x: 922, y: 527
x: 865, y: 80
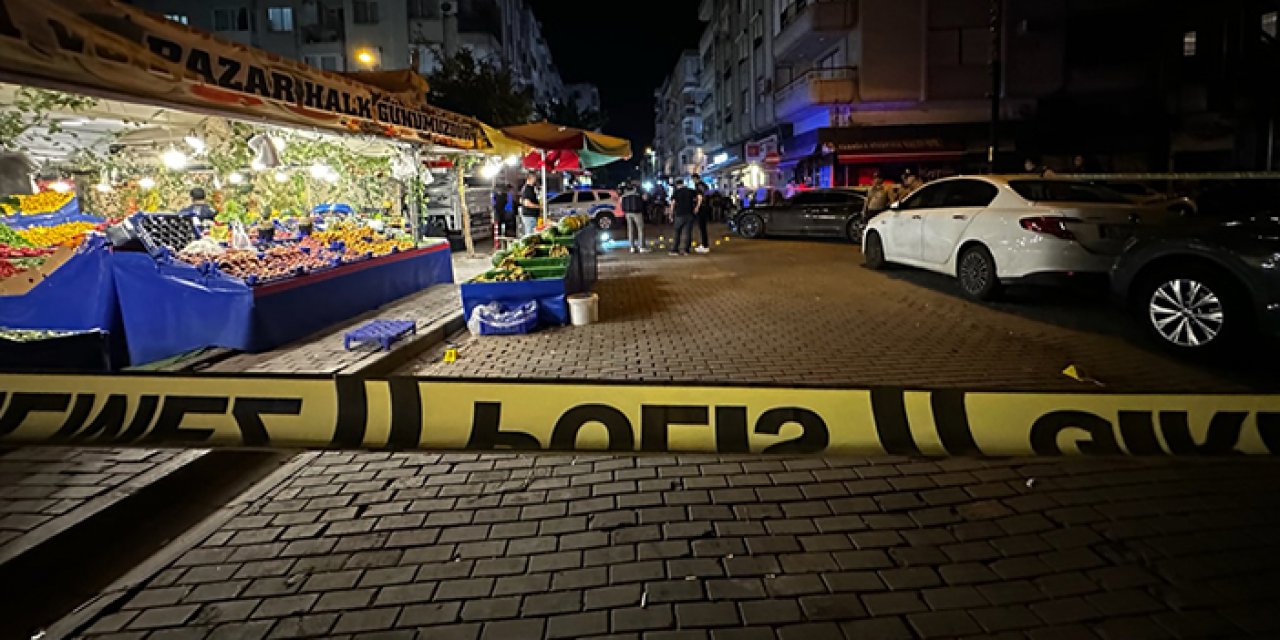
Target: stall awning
x: 113, y: 50
x: 593, y: 149
x: 499, y: 144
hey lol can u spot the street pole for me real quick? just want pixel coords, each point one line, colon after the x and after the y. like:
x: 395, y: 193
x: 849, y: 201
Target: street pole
x: 996, y: 45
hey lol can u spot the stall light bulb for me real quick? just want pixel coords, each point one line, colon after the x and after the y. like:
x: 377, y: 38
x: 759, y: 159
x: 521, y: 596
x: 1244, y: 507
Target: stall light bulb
x: 513, y: 161
x: 282, y: 176
x: 103, y: 187
x: 257, y: 165
x: 146, y: 183
x: 196, y: 143
x: 331, y: 177
x: 174, y: 160
x: 235, y: 178
x: 489, y: 171
x: 61, y: 186
x: 278, y: 143
x: 319, y: 171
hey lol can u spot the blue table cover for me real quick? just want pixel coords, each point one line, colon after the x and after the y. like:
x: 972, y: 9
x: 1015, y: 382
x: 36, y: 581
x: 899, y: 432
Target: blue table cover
x: 77, y: 296
x: 172, y: 307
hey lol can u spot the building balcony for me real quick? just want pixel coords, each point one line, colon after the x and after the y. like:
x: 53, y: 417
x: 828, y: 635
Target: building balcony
x: 817, y: 88
x: 809, y: 27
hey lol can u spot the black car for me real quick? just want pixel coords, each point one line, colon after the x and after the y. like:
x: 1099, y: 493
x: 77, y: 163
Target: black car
x: 1210, y: 281
x: 818, y: 212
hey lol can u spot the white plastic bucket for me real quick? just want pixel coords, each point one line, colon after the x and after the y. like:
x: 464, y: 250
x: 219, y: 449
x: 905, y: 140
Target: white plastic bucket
x: 583, y: 308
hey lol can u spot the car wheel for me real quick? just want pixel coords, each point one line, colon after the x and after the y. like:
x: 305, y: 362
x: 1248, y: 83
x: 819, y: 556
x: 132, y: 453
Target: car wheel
x: 605, y: 221
x: 853, y: 231
x: 873, y: 252
x: 751, y: 226
x: 1192, y: 310
x: 976, y: 272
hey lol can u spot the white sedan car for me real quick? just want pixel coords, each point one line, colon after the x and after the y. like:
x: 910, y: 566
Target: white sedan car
x: 993, y: 230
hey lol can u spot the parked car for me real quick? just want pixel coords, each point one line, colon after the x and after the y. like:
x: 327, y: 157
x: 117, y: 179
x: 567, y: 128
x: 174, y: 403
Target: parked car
x: 604, y: 206
x: 989, y: 231
x: 817, y: 212
x: 1139, y: 193
x: 1212, y: 282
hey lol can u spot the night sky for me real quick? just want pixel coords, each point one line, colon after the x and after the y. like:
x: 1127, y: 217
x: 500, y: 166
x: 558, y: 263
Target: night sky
x: 628, y: 59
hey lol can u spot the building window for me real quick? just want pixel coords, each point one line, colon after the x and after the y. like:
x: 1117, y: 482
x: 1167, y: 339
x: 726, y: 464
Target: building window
x: 746, y: 101
x: 1269, y: 24
x: 757, y: 30
x: 424, y: 9
x: 177, y: 17
x: 280, y: 19
x: 325, y: 61
x: 366, y: 11
x: 231, y: 19
x: 1189, y: 44
x: 743, y: 49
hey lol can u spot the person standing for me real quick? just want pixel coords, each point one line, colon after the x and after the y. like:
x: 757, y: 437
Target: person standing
x: 502, y: 213
x: 199, y: 208
x: 530, y: 205
x: 877, y: 199
x: 910, y: 182
x: 684, y: 203
x: 703, y: 213
x: 633, y: 205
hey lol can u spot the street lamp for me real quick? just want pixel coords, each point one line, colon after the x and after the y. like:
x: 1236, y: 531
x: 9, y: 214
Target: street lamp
x: 368, y: 58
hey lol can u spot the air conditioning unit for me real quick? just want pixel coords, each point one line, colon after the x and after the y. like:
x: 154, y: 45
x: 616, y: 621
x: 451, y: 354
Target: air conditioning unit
x: 449, y: 8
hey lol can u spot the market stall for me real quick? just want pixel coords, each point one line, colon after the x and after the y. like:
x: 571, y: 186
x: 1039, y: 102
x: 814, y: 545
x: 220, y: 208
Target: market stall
x: 257, y: 202
x: 542, y: 269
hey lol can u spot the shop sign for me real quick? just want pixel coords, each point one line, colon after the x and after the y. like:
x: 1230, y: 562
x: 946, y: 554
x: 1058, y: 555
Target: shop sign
x: 110, y: 47
x: 760, y: 150
x: 890, y: 146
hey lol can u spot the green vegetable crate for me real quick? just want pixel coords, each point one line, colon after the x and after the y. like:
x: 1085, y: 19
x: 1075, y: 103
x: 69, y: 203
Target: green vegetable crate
x: 526, y: 263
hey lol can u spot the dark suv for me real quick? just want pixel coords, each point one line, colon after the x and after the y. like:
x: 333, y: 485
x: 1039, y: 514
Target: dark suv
x: 1211, y: 280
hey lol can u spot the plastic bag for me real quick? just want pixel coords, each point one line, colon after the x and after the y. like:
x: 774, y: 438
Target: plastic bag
x: 496, y: 319
x: 239, y: 238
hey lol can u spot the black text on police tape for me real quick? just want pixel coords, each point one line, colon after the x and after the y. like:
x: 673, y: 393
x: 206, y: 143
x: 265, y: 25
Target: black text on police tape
x: 158, y: 417
x: 729, y: 427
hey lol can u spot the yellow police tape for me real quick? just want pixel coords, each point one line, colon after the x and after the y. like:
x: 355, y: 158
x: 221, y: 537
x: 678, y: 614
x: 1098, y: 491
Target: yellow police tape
x: 411, y: 413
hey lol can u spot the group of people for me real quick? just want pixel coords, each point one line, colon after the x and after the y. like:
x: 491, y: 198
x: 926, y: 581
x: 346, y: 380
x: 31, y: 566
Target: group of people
x: 692, y: 202
x: 506, y: 206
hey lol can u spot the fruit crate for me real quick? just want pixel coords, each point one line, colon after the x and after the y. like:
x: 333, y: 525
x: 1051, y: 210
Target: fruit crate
x: 167, y: 230
x: 527, y: 263
x: 543, y: 273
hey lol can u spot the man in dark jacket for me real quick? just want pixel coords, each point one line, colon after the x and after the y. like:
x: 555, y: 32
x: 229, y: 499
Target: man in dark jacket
x: 633, y: 206
x: 684, y: 204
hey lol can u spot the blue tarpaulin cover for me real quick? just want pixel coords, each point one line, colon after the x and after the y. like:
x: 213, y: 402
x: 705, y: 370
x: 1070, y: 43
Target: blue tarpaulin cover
x: 77, y: 296
x: 69, y: 212
x: 172, y: 307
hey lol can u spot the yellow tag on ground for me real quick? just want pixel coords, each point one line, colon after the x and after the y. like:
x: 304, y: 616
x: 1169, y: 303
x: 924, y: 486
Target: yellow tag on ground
x: 451, y: 355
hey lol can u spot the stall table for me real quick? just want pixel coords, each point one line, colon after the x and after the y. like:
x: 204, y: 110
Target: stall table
x: 171, y: 307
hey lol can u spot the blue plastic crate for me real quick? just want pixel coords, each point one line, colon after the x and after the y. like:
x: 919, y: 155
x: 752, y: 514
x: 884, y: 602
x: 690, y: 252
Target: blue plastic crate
x: 383, y: 332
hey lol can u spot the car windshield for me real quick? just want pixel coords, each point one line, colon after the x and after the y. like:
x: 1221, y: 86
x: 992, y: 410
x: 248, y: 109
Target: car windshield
x: 1064, y: 191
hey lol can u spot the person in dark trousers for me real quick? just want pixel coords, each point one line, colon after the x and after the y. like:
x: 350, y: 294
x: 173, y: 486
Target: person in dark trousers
x: 502, y: 212
x: 530, y: 205
x: 633, y: 204
x: 684, y: 205
x: 703, y: 213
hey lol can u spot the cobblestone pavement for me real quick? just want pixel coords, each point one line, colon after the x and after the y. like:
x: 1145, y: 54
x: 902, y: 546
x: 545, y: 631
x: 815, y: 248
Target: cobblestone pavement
x: 807, y: 312
x: 503, y: 546
x: 40, y: 484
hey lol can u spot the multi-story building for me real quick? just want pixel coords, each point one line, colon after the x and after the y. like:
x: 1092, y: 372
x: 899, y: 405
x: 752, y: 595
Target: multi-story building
x: 678, y: 141
x: 737, y: 54
x: 353, y: 35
